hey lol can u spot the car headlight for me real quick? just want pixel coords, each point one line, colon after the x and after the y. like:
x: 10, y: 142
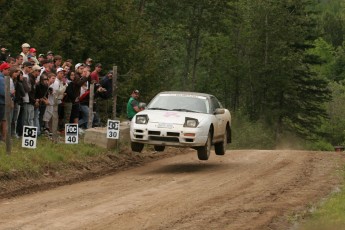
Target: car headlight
x: 191, y: 122
x: 141, y: 119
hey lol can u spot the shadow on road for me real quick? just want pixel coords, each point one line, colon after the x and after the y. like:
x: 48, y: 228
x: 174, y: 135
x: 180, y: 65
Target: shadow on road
x: 190, y: 168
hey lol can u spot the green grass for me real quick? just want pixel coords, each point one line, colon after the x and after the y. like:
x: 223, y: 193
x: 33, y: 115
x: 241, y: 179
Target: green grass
x: 329, y: 215
x: 47, y: 154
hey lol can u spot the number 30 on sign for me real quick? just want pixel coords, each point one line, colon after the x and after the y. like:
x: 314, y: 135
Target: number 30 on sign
x: 113, y: 129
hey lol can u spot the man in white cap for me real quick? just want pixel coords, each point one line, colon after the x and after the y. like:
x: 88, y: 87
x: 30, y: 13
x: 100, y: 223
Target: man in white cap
x: 25, y: 51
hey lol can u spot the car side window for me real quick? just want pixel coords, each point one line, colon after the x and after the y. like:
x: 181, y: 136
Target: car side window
x: 214, y: 104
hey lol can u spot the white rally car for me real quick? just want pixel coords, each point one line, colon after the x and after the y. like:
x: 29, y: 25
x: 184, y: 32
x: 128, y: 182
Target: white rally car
x: 183, y: 119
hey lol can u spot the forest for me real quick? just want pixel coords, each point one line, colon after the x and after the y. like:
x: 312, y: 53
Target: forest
x: 278, y: 66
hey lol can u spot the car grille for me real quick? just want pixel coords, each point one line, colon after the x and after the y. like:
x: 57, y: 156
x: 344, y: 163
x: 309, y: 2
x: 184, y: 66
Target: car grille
x: 170, y: 136
x: 166, y: 139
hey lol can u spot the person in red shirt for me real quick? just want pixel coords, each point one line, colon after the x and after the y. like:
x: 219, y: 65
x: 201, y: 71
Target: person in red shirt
x: 95, y: 74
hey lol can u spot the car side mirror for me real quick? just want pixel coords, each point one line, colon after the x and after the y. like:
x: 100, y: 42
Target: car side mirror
x: 142, y: 105
x: 219, y: 111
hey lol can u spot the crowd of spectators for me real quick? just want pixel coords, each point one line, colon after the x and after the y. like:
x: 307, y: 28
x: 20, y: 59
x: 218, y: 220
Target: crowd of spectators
x: 37, y: 83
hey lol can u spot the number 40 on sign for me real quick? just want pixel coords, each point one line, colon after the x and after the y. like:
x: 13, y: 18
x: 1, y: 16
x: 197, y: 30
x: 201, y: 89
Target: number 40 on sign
x: 113, y: 129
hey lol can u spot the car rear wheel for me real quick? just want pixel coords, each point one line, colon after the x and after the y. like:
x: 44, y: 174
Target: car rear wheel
x: 137, y: 147
x: 159, y: 148
x: 220, y: 148
x: 204, y: 151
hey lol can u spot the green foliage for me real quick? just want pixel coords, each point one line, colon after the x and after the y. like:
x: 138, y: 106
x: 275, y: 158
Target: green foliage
x: 247, y: 134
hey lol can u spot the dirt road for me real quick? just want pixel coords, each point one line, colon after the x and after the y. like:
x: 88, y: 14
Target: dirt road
x: 244, y: 189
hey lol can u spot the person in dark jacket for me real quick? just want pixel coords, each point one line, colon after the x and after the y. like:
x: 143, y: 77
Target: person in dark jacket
x: 42, y: 97
x: 18, y: 102
x: 107, y: 84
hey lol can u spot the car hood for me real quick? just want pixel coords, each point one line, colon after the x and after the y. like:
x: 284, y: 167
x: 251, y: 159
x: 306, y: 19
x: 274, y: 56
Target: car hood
x: 173, y: 117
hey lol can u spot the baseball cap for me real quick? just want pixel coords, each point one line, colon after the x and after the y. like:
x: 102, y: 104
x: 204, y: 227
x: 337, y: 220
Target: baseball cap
x: 136, y: 91
x: 4, y: 65
x: 36, y: 67
x: 25, y: 45
x: 27, y: 64
x: 41, y: 55
x: 78, y: 65
x: 98, y: 65
x: 89, y: 59
x: 50, y: 52
x: 59, y: 69
x: 32, y: 50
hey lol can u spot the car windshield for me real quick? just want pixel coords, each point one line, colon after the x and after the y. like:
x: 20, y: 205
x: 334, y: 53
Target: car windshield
x: 180, y: 102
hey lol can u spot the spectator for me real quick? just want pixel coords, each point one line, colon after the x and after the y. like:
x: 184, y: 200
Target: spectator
x: 95, y: 74
x: 133, y: 105
x: 48, y: 114
x: 13, y: 73
x: 18, y: 103
x: 107, y: 84
x: 72, y: 102
x: 41, y: 58
x: 28, y: 107
x: 88, y: 62
x: 3, y: 54
x: 25, y: 51
x: 57, y: 63
x: 46, y: 66
x: 36, y: 70
x: 59, y: 87
x: 19, y: 61
x: 4, y: 71
x: 50, y: 55
x: 11, y: 61
x: 42, y: 97
x: 32, y: 55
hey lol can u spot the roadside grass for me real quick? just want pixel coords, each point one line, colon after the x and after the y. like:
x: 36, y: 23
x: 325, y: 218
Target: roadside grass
x: 329, y: 215
x: 46, y: 155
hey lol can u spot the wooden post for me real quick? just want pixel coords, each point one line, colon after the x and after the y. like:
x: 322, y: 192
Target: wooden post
x: 114, y: 90
x: 55, y: 118
x: 92, y: 95
x: 8, y: 103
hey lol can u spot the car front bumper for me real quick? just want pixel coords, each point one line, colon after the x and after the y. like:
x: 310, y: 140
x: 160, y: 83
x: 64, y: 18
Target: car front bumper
x: 175, y: 135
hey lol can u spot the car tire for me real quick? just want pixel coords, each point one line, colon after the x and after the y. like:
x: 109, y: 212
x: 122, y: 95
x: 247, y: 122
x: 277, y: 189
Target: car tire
x: 204, y: 151
x: 159, y: 148
x: 220, y: 148
x: 137, y: 147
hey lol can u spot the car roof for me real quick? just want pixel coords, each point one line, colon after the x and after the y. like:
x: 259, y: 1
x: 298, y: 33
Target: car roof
x: 186, y: 93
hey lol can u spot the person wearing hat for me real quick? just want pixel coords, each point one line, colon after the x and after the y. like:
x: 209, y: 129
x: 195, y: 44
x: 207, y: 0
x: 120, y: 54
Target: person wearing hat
x: 3, y: 54
x: 25, y: 51
x: 133, y: 105
x: 88, y: 62
x: 32, y: 55
x: 50, y: 55
x: 4, y: 71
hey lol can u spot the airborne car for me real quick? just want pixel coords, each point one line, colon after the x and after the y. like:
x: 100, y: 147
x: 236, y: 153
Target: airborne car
x: 182, y: 119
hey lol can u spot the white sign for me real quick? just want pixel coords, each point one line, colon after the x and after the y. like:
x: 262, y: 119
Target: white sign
x: 29, y: 137
x: 113, y: 129
x: 71, y: 133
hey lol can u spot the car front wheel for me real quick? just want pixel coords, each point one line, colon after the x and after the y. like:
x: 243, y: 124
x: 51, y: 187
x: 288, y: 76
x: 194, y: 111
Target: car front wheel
x: 204, y: 151
x: 159, y: 148
x: 137, y: 147
x: 220, y: 148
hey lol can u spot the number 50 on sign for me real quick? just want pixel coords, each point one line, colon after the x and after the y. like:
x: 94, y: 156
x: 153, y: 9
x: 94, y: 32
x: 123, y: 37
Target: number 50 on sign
x: 113, y: 129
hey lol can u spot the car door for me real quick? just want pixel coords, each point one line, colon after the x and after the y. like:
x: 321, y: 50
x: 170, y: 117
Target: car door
x: 219, y: 119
